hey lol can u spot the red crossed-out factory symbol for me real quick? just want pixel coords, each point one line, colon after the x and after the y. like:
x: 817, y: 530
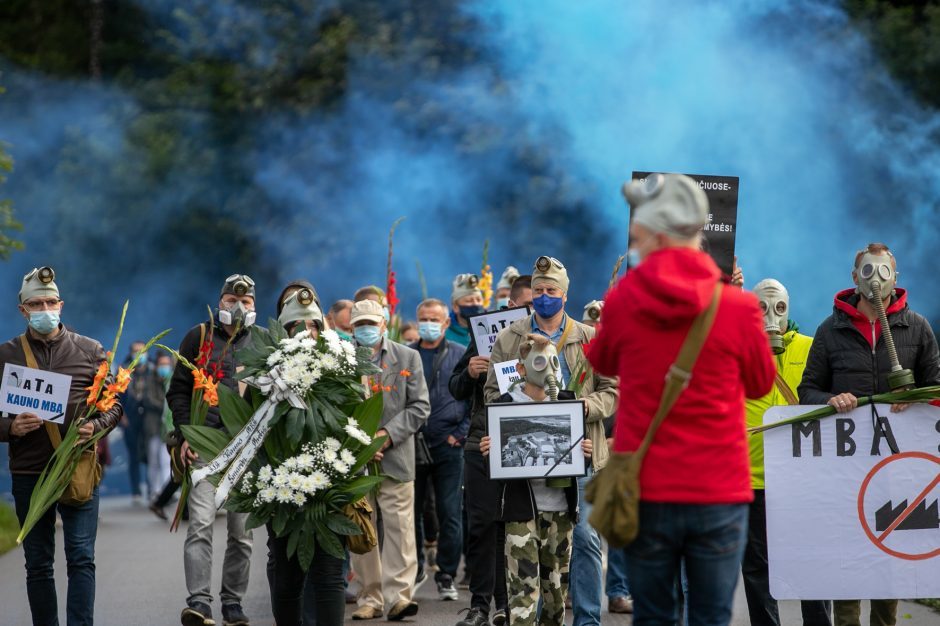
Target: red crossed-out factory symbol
x: 899, y: 505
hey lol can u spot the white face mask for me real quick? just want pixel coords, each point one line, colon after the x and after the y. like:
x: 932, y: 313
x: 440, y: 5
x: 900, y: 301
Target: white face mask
x: 235, y: 314
x: 875, y: 268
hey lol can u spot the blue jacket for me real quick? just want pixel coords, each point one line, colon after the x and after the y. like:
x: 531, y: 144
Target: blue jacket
x: 448, y: 416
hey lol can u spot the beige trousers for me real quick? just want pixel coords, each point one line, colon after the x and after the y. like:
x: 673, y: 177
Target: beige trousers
x: 388, y: 577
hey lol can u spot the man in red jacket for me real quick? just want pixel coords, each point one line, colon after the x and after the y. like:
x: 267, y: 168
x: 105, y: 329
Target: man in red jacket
x: 695, y: 482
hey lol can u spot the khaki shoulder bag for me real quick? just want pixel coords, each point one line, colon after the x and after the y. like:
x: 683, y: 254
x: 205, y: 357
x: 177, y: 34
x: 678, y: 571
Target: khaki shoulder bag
x: 360, y: 513
x: 88, y: 470
x: 615, y: 490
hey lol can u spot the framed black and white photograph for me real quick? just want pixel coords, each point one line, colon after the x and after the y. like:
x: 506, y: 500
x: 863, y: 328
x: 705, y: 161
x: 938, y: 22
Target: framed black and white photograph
x: 536, y: 439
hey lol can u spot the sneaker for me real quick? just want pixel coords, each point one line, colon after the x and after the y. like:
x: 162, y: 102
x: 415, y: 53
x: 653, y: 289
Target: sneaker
x: 620, y: 604
x: 401, y: 610
x: 445, y: 587
x: 232, y: 615
x: 197, y: 614
x: 501, y: 618
x: 420, y: 579
x: 474, y: 617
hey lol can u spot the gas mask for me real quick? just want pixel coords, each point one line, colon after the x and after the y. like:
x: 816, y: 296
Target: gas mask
x: 542, y: 367
x: 872, y: 269
x: 775, y: 305
x: 237, y: 315
x: 876, y: 280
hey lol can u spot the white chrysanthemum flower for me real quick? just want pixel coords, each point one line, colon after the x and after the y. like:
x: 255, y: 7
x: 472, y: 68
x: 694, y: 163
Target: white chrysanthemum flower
x: 329, y: 455
x: 284, y: 495
x: 309, y: 485
x: 294, y: 480
x: 305, y: 461
x: 352, y: 421
x: 265, y: 474
x: 266, y: 495
x: 332, y: 443
x: 290, y: 464
x: 308, y: 343
x: 358, y: 434
x: 329, y: 362
x: 275, y: 358
x: 348, y: 457
x: 340, y: 467
x: 279, y: 480
x: 299, y: 498
x: 320, y: 480
x: 281, y: 470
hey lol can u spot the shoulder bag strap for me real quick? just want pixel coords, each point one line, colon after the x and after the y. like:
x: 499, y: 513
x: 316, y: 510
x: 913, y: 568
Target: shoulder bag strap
x: 52, y: 430
x: 680, y: 372
x: 785, y: 389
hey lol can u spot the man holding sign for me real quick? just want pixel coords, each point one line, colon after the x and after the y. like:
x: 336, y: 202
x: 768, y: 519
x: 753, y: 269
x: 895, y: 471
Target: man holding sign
x: 550, y: 293
x: 850, y: 358
x: 48, y: 370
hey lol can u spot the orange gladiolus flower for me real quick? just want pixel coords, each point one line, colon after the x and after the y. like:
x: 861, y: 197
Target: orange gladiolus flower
x: 210, y: 388
x: 405, y: 373
x: 107, y: 402
x: 95, y: 388
x: 123, y: 380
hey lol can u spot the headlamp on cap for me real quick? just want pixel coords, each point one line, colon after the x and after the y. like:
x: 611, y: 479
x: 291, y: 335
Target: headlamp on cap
x: 472, y: 280
x: 305, y: 297
x: 544, y: 263
x: 239, y: 285
x: 46, y: 275
x: 594, y: 312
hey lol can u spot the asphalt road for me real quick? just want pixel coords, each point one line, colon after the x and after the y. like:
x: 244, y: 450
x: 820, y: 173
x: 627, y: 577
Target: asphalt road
x: 140, y: 580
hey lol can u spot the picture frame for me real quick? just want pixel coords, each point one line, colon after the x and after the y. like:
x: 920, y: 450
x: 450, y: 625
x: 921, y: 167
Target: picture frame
x: 531, y: 440
x: 486, y: 326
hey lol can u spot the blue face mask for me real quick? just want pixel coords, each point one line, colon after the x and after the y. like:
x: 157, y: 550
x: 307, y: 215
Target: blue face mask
x: 367, y: 335
x: 547, y: 306
x: 475, y: 309
x: 633, y: 258
x: 386, y: 314
x: 164, y: 371
x: 344, y: 335
x: 429, y: 331
x: 44, y: 322
x: 502, y: 303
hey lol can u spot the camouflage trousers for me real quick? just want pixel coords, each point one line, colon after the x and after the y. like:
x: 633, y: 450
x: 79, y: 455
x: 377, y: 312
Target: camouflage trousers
x: 537, y: 554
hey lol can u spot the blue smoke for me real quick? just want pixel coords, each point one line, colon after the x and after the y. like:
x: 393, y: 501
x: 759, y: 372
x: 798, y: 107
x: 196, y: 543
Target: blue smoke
x: 524, y: 140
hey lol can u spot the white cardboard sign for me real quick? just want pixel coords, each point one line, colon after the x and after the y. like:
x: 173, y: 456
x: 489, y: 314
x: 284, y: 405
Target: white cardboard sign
x: 486, y: 326
x: 506, y: 374
x: 28, y: 390
x: 846, y: 517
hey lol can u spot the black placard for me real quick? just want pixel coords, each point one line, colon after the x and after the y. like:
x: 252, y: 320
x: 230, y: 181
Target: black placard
x: 719, y: 231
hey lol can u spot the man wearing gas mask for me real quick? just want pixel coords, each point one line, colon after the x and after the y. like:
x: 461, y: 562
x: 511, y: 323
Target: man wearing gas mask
x: 549, y: 290
x: 466, y: 299
x: 539, y: 514
x: 790, y: 350
x: 223, y: 335
x: 485, y: 561
x: 872, y: 343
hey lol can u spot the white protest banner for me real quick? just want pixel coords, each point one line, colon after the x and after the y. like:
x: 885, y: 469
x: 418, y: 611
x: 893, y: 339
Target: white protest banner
x: 28, y: 390
x: 486, y: 326
x: 506, y: 374
x: 846, y: 517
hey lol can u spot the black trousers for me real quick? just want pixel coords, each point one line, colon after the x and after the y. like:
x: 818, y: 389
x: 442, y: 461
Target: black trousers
x: 761, y: 606
x: 286, y: 580
x: 486, y: 537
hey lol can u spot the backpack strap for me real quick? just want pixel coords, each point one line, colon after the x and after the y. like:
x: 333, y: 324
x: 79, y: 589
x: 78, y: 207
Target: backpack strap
x: 785, y: 389
x: 680, y: 372
x: 52, y: 429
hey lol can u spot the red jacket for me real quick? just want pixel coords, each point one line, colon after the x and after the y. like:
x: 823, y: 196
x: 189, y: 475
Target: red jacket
x: 700, y: 453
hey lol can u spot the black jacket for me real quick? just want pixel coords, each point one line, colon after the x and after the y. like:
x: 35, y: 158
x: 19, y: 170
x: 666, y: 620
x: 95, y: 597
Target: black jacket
x: 516, y: 500
x: 463, y: 387
x: 841, y: 359
x: 179, y: 394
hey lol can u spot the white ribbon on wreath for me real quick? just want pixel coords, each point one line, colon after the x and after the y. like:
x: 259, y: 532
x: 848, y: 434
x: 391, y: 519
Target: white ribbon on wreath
x: 241, y: 450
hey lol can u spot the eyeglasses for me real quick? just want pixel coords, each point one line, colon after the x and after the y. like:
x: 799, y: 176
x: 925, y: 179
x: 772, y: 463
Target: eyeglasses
x: 40, y: 305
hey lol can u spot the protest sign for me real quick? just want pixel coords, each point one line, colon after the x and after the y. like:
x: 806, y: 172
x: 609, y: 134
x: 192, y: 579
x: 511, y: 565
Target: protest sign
x: 719, y: 231
x: 486, y: 326
x: 506, y: 374
x: 846, y: 517
x: 28, y: 390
